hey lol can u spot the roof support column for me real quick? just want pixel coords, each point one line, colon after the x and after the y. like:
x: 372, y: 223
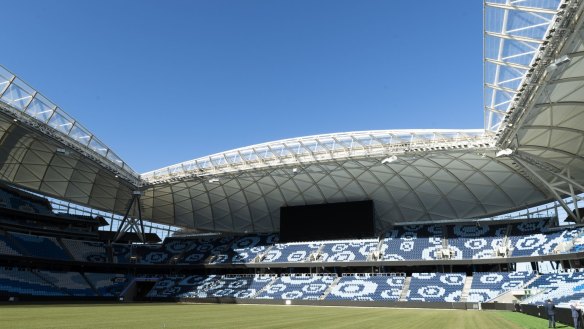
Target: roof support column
x: 134, y: 224
x: 560, y: 185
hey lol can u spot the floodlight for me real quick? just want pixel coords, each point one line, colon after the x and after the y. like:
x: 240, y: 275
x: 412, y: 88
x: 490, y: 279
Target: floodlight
x: 390, y: 159
x: 505, y: 152
x: 558, y: 63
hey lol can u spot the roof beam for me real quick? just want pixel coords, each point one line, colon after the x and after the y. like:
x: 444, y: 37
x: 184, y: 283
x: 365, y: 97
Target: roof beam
x: 509, y: 90
x: 513, y: 37
x: 521, y: 8
x: 509, y: 64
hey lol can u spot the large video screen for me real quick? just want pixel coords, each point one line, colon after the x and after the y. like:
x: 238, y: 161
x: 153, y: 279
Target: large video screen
x: 346, y: 220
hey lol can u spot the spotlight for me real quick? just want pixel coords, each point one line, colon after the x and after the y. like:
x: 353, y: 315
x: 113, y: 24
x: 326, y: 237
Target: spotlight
x: 390, y: 159
x: 505, y: 152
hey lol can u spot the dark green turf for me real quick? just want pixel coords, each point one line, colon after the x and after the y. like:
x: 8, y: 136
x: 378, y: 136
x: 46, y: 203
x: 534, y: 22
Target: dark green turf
x: 169, y: 316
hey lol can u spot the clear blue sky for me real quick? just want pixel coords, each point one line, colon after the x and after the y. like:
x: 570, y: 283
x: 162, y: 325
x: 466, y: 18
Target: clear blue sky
x: 162, y: 82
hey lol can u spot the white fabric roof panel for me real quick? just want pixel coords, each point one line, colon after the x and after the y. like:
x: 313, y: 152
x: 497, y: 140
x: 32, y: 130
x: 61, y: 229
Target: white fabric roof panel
x: 424, y: 186
x: 29, y: 159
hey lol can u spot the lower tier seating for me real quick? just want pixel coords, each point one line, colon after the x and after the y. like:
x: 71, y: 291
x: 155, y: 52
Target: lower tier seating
x: 108, y: 284
x: 488, y: 285
x: 436, y: 287
x: 368, y: 287
x: 298, y: 286
x: 15, y: 281
x: 559, y: 287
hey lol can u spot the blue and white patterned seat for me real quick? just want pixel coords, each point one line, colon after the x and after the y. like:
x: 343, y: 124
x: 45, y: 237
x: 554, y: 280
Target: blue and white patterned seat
x: 234, y: 286
x: 298, y: 286
x: 161, y: 253
x: 203, y: 248
x: 290, y: 252
x: 72, y: 283
x: 245, y: 249
x: 211, y: 286
x: 173, y: 286
x: 7, y: 246
x: 24, y: 282
x: 40, y: 246
x: 488, y: 285
x: 86, y: 251
x: 436, y: 287
x: 475, y: 242
x: 412, y: 242
x: 366, y: 287
x: 535, y: 238
x: 121, y: 253
x: 109, y: 284
x: 556, y: 286
x: 348, y: 251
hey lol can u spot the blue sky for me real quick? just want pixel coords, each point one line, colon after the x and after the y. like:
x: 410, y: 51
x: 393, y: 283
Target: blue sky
x: 162, y: 82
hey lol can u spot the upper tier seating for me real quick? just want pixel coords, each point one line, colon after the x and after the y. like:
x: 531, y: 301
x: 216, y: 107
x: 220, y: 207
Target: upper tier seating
x: 13, y: 201
x: 86, y: 251
x: 412, y: 242
x: 245, y: 249
x: 401, y: 243
x: 347, y: 251
x: 436, y: 287
x: 202, y: 249
x: 488, y: 285
x: 536, y: 239
x: 471, y: 241
x: 7, y: 246
x: 290, y: 252
x: 39, y: 246
x: 298, y: 286
x: 121, y: 253
x: 371, y: 287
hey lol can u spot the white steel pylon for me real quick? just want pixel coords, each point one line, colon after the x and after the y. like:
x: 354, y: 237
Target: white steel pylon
x: 132, y: 224
x: 561, y: 183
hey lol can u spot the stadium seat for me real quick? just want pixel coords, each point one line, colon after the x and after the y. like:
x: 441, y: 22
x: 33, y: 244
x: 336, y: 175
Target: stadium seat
x: 436, y: 287
x: 368, y: 287
x: 488, y: 285
x: 298, y: 286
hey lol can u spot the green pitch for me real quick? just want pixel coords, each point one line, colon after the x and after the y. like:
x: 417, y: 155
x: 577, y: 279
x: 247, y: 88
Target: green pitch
x: 168, y: 316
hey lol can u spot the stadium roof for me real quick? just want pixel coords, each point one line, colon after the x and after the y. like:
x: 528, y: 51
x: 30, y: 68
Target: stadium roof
x: 529, y: 152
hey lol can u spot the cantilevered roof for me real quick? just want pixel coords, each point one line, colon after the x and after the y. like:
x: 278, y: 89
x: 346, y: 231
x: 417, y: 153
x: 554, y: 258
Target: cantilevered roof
x: 44, y: 149
x: 410, y: 175
x: 514, y: 32
x: 529, y: 152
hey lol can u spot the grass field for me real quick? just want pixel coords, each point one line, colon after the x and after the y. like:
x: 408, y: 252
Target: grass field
x: 169, y: 316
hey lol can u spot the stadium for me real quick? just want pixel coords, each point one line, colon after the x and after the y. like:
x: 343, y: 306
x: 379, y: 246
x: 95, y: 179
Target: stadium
x: 349, y: 229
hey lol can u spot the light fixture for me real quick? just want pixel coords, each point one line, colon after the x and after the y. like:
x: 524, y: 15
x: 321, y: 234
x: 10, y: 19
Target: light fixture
x: 557, y: 63
x: 214, y: 180
x: 62, y: 151
x: 505, y: 152
x: 390, y: 159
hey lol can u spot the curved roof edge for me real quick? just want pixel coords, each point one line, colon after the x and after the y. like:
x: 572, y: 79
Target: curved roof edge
x: 27, y: 105
x: 517, y: 36
x: 321, y: 148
